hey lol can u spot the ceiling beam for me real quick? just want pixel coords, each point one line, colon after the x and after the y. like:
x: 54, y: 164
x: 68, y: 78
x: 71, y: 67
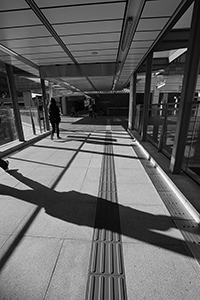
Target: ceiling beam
x: 175, y: 39
x: 86, y: 70
x: 157, y: 64
x: 131, y: 18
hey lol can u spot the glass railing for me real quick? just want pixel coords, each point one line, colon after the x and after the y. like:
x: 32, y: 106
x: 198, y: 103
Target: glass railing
x: 161, y: 126
x: 138, y: 117
x: 8, y: 132
x: 155, y: 123
x: 161, y: 130
x: 32, y: 121
x: 191, y: 161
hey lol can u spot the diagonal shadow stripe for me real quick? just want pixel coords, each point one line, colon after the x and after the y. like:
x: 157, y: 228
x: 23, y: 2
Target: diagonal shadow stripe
x: 20, y: 235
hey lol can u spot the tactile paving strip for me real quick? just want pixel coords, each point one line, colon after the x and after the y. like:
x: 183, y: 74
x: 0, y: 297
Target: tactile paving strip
x: 106, y: 280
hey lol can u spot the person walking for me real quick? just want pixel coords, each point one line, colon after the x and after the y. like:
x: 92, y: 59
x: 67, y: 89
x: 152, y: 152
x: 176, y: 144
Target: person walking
x: 54, y: 118
x: 90, y: 109
x: 4, y: 164
x: 73, y: 111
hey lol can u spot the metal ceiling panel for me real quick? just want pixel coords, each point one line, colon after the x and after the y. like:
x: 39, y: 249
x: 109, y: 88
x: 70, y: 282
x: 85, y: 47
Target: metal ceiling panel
x: 185, y: 20
x: 82, y: 13
x: 17, y: 43
x: 53, y: 3
x: 160, y: 8
x: 51, y: 61
x: 56, y: 54
x: 88, y: 27
x: 35, y: 50
x: 12, y: 5
x: 22, y: 32
x: 146, y: 35
x: 132, y: 58
x: 105, y: 58
x: 91, y: 38
x: 18, y: 19
x: 96, y: 54
x: 151, y: 24
x: 129, y: 65
x: 94, y: 46
x: 40, y: 55
x: 141, y: 44
x: 137, y: 51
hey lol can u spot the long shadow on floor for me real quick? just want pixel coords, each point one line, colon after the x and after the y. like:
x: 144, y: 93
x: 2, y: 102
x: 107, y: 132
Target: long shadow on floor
x: 86, y: 210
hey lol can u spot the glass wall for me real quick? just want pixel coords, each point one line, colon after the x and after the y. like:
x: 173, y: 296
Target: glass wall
x: 162, y: 124
x: 140, y: 87
x: 191, y: 163
x: 32, y: 121
x: 169, y: 127
x: 166, y: 85
x: 163, y: 112
x: 8, y: 130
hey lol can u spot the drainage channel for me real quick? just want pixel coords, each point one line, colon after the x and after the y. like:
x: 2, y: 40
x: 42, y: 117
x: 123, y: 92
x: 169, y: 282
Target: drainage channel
x: 177, y: 206
x: 106, y: 278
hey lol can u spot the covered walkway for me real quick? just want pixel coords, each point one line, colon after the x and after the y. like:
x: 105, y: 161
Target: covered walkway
x: 90, y: 216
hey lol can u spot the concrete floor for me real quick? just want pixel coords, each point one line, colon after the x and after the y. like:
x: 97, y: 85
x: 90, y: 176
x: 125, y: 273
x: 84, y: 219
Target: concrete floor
x: 48, y: 204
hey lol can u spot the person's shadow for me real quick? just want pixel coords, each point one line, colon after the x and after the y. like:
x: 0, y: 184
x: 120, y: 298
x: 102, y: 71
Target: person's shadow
x: 86, y: 210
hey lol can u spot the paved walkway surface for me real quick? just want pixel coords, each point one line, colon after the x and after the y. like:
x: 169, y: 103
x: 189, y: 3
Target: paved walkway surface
x: 90, y: 217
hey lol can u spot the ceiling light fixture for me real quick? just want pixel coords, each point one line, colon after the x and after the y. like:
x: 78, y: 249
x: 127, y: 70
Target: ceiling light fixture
x: 126, y: 36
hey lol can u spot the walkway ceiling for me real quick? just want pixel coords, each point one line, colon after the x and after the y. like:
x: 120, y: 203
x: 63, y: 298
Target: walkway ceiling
x: 89, y: 45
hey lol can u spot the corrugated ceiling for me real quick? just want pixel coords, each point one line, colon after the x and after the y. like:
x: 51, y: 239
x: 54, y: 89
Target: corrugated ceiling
x: 45, y: 37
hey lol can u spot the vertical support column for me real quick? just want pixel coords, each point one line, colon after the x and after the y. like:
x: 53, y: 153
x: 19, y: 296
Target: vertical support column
x: 64, y: 105
x: 44, y: 97
x: 188, y: 91
x: 134, y: 98
x: 13, y: 94
x: 130, y: 111
x: 147, y: 97
x: 132, y: 101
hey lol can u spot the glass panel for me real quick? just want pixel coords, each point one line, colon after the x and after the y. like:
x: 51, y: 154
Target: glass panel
x: 32, y: 121
x: 166, y: 85
x: 140, y: 87
x: 8, y: 130
x: 191, y: 163
x: 155, y: 122
x: 138, y: 117
x: 169, y: 127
